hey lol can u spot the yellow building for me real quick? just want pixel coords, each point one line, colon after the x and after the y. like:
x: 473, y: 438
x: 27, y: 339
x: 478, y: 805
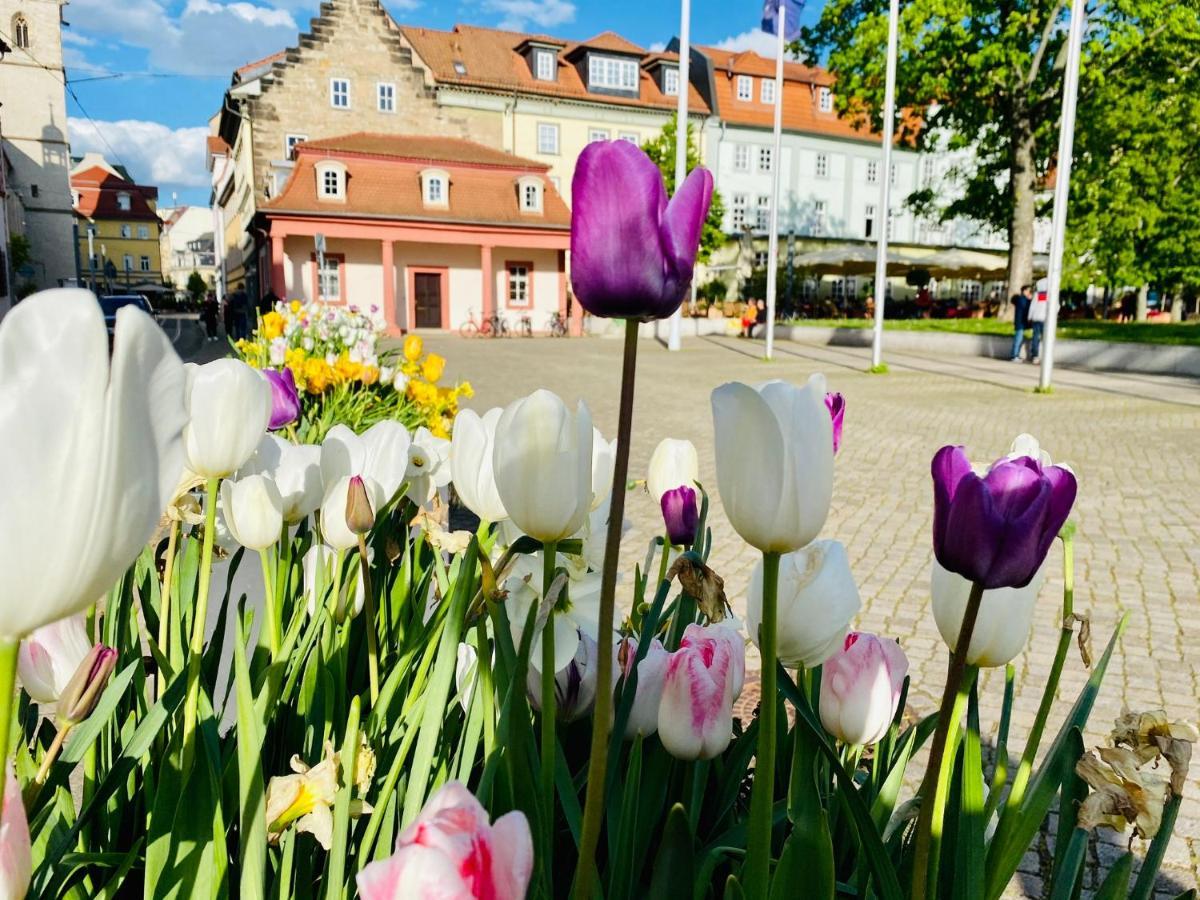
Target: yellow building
x: 118, y: 228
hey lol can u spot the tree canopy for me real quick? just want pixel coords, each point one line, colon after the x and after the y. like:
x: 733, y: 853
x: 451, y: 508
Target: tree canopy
x: 661, y: 149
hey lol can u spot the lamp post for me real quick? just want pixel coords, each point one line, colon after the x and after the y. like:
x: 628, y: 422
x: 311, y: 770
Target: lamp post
x: 885, y: 186
x: 681, y: 140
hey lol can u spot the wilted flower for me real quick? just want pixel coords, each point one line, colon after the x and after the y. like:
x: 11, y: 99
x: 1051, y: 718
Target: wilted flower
x: 285, y: 399
x: 703, y: 678
x: 50, y: 656
x: 701, y: 583
x: 1151, y: 734
x: 860, y: 688
x: 1121, y: 793
x: 1004, y: 621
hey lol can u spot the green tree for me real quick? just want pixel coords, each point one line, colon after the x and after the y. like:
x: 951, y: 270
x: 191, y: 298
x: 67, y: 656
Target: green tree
x: 20, y: 251
x: 661, y: 149
x: 986, y: 76
x: 197, y: 287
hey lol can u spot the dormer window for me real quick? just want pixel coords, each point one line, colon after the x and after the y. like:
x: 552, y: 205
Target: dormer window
x: 767, y: 91
x: 331, y: 180
x: 671, y: 81
x: 825, y: 100
x: 745, y: 87
x: 529, y: 194
x: 435, y: 187
x: 124, y: 202
x: 612, y: 73
x: 460, y: 67
x: 544, y: 65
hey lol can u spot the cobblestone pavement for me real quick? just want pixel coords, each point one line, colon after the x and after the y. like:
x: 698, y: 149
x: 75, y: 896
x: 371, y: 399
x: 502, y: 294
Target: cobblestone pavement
x: 1133, y: 441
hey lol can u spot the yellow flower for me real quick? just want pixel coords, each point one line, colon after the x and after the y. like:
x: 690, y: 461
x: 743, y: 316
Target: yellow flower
x: 317, y: 375
x: 433, y: 367
x: 369, y: 375
x: 272, y: 324
x: 464, y: 389
x: 413, y: 347
x: 345, y: 370
x: 305, y: 798
x: 296, y: 306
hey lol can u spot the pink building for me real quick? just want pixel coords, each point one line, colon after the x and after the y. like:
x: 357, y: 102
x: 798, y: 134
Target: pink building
x: 433, y: 230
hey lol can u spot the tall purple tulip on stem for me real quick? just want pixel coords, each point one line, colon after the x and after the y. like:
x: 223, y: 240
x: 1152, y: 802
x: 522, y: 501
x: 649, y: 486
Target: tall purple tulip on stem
x: 994, y: 529
x: 632, y: 257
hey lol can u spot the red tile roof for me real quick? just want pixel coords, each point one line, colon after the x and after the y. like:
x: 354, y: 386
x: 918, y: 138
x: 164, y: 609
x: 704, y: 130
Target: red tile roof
x: 492, y: 62
x: 216, y: 145
x: 383, y: 181
x: 98, y: 189
x: 249, y: 68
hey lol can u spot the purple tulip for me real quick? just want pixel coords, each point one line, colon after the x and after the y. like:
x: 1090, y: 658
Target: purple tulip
x: 681, y: 515
x: 996, y: 529
x: 632, y: 251
x: 836, y: 404
x: 285, y: 399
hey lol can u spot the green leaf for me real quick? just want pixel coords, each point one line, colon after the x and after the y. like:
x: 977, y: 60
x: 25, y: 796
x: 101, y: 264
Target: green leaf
x: 252, y: 814
x: 675, y: 864
x: 1143, y: 888
x: 85, y: 733
x: 733, y: 889
x: 968, y: 843
x: 336, y: 873
x: 1116, y: 883
x: 622, y: 870
x: 1074, y: 790
x: 807, y: 855
x: 1069, y: 865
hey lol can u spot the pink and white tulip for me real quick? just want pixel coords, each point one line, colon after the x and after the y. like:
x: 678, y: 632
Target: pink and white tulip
x: 452, y: 852
x: 703, y: 678
x: 16, y: 860
x: 49, y: 657
x: 860, y: 688
x: 651, y: 675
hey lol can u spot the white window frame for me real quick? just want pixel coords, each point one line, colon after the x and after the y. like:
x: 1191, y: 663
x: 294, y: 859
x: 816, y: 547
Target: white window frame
x: 739, y: 203
x: 128, y: 262
x: 544, y: 146
x: 339, y: 89
x: 124, y: 201
x: 435, y: 188
x: 330, y: 173
x: 869, y: 218
x: 598, y: 134
x: 762, y: 213
x: 766, y: 152
x: 741, y: 157
x: 127, y: 231
x: 820, y: 211
x: 822, y: 165
x: 385, y: 96
x: 329, y: 278
x: 144, y: 263
x: 544, y: 67
x: 745, y: 87
x: 825, y: 99
x: 671, y: 81
x: 289, y: 143
x: 612, y: 73
x: 766, y: 91
x: 143, y: 232
x: 529, y: 194
x: 872, y: 171
x: 631, y: 136
x: 520, y: 282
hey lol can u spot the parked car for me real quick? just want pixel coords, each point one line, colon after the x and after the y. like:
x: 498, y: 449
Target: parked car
x: 110, y: 304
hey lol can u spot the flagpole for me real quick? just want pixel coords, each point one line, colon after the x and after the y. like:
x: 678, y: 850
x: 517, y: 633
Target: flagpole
x: 885, y: 184
x: 776, y: 168
x: 1062, y: 187
x: 681, y: 138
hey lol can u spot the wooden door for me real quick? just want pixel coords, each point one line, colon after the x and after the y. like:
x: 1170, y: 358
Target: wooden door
x: 427, y: 296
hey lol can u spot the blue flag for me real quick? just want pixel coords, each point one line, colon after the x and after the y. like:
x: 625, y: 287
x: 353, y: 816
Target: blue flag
x: 770, y: 17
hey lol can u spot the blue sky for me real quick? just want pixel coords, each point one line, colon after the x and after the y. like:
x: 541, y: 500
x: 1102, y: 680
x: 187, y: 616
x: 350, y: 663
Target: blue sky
x: 173, y: 60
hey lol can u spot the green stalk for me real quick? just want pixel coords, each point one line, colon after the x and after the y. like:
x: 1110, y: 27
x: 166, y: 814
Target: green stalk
x: 371, y: 624
x: 8, y: 694
x: 756, y: 873
x: 483, y: 668
x: 923, y: 886
x: 593, y: 810
x: 164, y: 605
x: 196, y: 650
x: 945, y: 775
x: 270, y: 608
x: 549, y: 715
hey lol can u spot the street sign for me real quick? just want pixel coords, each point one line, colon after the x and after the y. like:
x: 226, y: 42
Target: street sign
x: 319, y: 239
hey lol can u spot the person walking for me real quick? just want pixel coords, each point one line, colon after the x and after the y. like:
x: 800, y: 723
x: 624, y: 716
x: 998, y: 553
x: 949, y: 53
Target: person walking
x: 1037, y: 320
x: 1020, y: 304
x: 209, y: 313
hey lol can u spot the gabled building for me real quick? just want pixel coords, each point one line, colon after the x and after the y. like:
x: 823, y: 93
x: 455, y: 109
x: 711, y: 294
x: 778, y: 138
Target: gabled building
x: 118, y: 227
x: 432, y: 231
x: 187, y: 244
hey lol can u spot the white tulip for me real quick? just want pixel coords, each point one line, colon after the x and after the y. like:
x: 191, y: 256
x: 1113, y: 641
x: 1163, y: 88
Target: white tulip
x: 574, y: 684
x: 253, y: 511
x: 326, y: 558
x: 578, y: 614
x: 604, y: 460
x: 817, y: 599
x: 379, y: 453
x: 673, y: 463
x: 471, y: 448
x: 1005, y: 616
x: 543, y: 465
x: 50, y: 656
x: 91, y: 452
x: 651, y: 673
x: 774, y: 446
x: 428, y: 466
x: 296, y: 471
x: 466, y: 671
x: 336, y: 532
x: 229, y: 408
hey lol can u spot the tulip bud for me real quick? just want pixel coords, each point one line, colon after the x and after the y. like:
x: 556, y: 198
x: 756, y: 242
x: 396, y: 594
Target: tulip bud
x: 703, y: 678
x: 651, y: 673
x: 574, y: 685
x: 860, y: 688
x: 673, y: 463
x: 81, y: 694
x: 335, y: 528
x: 680, y: 515
x: 836, y: 404
x: 252, y: 509
x: 49, y: 657
x: 16, y: 859
x: 360, y: 517
x: 1004, y: 621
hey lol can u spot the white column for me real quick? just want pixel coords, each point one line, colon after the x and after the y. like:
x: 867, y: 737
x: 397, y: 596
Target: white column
x: 885, y: 187
x: 681, y: 138
x: 776, y: 169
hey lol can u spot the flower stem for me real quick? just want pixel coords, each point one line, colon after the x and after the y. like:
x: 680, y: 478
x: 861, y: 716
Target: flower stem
x: 369, y: 608
x: 593, y: 809
x: 933, y: 774
x: 8, y: 693
x: 164, y: 605
x: 51, y: 755
x: 756, y: 872
x: 270, y: 608
x: 196, y: 650
x: 549, y: 715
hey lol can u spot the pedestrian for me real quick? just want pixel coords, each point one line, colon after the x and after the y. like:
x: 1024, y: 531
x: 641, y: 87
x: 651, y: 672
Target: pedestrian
x: 209, y: 313
x: 1037, y: 320
x: 227, y: 313
x: 1020, y: 304
x: 760, y: 317
x: 748, y: 319
x: 240, y: 301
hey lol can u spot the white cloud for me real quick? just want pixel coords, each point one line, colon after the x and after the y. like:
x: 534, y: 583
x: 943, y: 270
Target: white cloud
x: 658, y: 46
x: 517, y: 15
x: 154, y: 153
x: 755, y: 39
x: 76, y: 39
x: 206, y: 38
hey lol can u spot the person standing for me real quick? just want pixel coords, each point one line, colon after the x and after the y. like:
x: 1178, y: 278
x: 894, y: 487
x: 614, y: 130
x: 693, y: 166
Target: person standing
x: 1020, y: 304
x: 1037, y: 320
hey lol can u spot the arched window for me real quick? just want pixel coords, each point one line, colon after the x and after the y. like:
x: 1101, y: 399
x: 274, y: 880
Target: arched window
x: 435, y: 187
x: 331, y: 180
x: 529, y: 194
x: 20, y: 28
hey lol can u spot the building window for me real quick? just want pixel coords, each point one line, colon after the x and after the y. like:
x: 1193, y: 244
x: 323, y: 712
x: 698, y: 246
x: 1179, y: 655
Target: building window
x: 20, y: 27
x: 671, y: 81
x: 822, y: 165
x: 745, y: 87
x: 144, y: 263
x: 761, y: 258
x: 435, y: 190
x: 825, y: 100
x: 892, y: 175
x: 764, y: 159
x: 928, y: 169
x: 143, y: 233
x: 529, y: 190
x: 128, y: 262
x: 762, y: 213
x: 339, y: 93
x: 737, y: 215
x: 766, y: 91
x: 387, y: 96
x: 331, y: 181
x: 547, y: 138
x: 630, y: 136
x: 741, y: 157
x: 460, y: 67
x: 290, y: 142
x: 891, y: 223
x: 329, y: 276
x: 852, y: 287
x: 868, y: 220
x: 126, y: 231
x: 597, y: 134
x: 543, y: 65
x: 872, y: 171
x: 612, y: 74
x: 520, y: 284
x: 820, y: 207
x: 124, y: 202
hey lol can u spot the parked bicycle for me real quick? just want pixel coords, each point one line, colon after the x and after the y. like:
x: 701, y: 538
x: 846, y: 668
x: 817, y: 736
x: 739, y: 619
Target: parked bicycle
x: 490, y: 326
x: 558, y: 325
x: 525, y: 327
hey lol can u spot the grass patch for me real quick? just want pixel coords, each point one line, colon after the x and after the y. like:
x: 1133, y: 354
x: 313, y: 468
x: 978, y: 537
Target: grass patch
x: 1185, y: 333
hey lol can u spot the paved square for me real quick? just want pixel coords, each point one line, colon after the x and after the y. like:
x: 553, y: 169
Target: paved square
x: 1133, y: 441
